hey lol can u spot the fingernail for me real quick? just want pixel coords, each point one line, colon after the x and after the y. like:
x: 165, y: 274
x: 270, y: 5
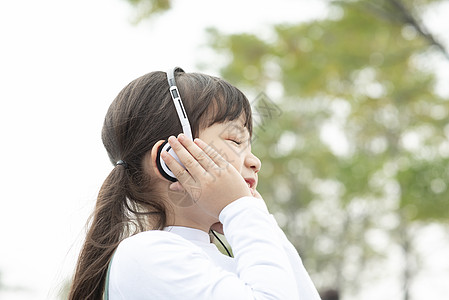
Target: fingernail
x: 181, y: 137
x: 171, y: 139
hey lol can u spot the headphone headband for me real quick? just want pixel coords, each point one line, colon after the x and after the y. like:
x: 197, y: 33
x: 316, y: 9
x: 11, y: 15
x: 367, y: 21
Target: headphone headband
x: 182, y: 115
x: 171, y: 75
x: 177, y: 101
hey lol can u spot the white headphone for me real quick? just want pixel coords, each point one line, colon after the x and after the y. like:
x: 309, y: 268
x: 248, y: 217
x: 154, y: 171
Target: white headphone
x: 182, y: 115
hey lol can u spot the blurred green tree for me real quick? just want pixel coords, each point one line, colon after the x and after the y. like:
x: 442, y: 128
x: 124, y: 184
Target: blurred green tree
x: 147, y: 8
x: 358, y: 152
x: 362, y: 143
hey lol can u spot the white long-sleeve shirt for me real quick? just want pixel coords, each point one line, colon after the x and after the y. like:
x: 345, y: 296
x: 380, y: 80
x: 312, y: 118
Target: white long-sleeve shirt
x: 181, y: 263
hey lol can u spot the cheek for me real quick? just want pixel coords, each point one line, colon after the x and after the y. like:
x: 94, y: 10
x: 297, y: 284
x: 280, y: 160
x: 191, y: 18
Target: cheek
x: 236, y: 159
x: 231, y: 153
x: 225, y: 149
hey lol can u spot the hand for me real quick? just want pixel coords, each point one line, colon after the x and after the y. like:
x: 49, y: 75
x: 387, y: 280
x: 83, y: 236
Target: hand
x: 256, y: 194
x: 209, y: 179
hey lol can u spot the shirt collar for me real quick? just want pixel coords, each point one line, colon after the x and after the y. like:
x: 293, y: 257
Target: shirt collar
x: 191, y: 234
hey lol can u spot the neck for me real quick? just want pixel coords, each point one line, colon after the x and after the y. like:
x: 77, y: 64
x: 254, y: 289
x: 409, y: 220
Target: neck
x: 183, y: 211
x: 181, y: 220
x: 192, y: 217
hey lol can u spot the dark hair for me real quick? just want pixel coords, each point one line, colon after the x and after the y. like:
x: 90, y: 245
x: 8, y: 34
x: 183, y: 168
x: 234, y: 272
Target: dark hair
x: 142, y: 114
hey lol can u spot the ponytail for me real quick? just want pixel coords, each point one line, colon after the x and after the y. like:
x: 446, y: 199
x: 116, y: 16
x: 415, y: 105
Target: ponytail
x: 127, y: 203
x: 108, y: 227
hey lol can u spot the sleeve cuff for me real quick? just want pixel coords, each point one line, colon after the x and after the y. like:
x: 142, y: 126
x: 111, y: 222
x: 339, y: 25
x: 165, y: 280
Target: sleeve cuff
x: 242, y: 204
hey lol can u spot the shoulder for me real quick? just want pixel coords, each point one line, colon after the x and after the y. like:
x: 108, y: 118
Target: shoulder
x: 146, y: 244
x: 154, y: 264
x: 150, y: 237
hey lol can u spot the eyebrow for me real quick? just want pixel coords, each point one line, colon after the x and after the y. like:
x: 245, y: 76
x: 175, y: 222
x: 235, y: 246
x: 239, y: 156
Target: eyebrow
x: 239, y: 129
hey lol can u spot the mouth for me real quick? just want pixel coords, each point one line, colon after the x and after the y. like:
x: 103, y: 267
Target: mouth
x: 251, y: 183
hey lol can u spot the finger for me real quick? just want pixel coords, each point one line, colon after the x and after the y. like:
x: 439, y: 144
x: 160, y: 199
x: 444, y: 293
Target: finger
x: 192, y: 165
x: 214, y: 155
x: 180, y: 173
x: 256, y: 194
x: 201, y: 157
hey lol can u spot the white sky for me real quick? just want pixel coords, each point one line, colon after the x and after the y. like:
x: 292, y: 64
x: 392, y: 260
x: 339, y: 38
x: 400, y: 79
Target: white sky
x: 61, y: 64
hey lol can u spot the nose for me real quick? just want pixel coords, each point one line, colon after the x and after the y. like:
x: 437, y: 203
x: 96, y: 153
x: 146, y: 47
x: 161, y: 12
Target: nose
x: 253, y: 162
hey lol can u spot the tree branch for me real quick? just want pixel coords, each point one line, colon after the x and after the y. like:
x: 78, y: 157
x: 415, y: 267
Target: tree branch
x: 398, y: 13
x: 413, y: 21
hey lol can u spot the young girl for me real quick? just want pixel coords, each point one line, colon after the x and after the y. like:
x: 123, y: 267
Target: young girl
x: 149, y: 234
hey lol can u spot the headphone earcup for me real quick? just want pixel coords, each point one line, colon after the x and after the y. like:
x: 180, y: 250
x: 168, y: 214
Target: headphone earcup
x: 161, y: 166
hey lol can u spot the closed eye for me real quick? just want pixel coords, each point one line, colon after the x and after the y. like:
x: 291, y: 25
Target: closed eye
x: 237, y: 142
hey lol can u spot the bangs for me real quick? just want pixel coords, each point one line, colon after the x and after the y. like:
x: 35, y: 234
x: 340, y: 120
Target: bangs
x: 228, y: 105
x: 213, y: 100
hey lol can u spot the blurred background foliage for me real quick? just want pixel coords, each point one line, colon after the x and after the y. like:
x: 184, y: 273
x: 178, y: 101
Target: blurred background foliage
x: 353, y: 138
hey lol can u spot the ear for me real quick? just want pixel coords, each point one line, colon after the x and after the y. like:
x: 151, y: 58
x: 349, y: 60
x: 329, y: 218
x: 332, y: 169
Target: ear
x: 154, y: 157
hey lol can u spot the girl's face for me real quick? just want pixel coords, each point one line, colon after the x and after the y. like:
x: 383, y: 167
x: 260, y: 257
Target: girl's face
x: 232, y: 141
